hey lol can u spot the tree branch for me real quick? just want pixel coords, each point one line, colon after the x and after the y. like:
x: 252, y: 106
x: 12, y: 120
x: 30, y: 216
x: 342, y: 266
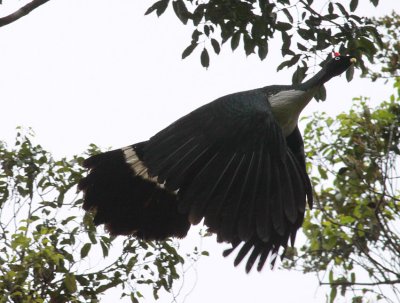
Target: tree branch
x: 347, y: 283
x: 23, y: 11
x: 309, y: 8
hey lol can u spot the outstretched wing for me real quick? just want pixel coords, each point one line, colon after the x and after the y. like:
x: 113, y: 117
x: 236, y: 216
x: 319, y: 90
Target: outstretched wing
x: 300, y: 186
x: 230, y: 164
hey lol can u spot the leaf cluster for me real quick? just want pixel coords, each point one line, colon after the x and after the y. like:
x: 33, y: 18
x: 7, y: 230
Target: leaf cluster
x: 389, y: 50
x: 305, y: 27
x: 353, y: 233
x: 51, y: 252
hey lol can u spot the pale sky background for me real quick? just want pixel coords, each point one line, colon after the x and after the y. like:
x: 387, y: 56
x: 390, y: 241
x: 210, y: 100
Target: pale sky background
x: 99, y: 71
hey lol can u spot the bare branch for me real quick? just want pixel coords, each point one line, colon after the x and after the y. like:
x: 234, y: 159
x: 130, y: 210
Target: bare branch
x: 347, y: 283
x: 23, y: 11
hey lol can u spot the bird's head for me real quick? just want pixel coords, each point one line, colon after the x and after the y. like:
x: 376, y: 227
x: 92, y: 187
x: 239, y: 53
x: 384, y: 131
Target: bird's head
x: 338, y: 64
x: 334, y: 67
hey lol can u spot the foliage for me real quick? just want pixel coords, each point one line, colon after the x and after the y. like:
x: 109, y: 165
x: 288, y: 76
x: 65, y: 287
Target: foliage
x: 353, y: 232
x: 388, y: 53
x: 306, y: 27
x: 49, y: 253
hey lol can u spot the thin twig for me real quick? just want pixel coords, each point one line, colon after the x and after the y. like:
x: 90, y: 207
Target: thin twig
x: 309, y: 8
x: 21, y: 12
x: 347, y: 283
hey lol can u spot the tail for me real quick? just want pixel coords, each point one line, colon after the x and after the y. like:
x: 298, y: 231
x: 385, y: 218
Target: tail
x: 124, y: 197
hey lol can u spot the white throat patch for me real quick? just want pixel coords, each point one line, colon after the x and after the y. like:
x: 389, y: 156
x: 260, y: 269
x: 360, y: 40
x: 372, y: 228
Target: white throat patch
x: 287, y: 106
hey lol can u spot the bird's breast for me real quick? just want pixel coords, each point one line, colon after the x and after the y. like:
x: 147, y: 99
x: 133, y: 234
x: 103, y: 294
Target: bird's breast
x: 287, y: 105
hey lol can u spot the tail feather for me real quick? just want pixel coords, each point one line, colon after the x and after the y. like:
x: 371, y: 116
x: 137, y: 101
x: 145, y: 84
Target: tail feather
x: 130, y: 202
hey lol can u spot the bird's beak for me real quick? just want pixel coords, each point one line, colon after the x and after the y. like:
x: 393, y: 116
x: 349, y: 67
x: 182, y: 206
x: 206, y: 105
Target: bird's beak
x: 353, y: 60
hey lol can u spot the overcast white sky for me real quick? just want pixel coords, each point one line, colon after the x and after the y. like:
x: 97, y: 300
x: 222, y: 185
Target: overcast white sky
x: 98, y: 71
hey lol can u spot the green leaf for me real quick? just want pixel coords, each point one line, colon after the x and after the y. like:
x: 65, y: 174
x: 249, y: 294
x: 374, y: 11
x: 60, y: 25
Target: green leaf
x: 321, y: 94
x: 85, y: 250
x: 198, y: 14
x: 330, y: 8
x: 289, y: 63
x: 283, y: 26
x: 306, y: 34
x: 70, y: 282
x: 159, y: 7
x: 235, y: 40
x: 249, y: 44
x: 92, y: 237
x: 353, y: 5
x: 375, y: 2
x: 301, y: 47
x: 104, y: 249
x: 188, y: 50
x: 367, y: 45
x: 215, y: 46
x: 331, y: 276
x: 263, y: 49
x: 60, y: 199
x: 133, y: 299
x: 287, y: 40
x: 322, y: 173
x: 288, y: 15
x: 195, y: 35
x: 207, y: 30
x: 346, y: 220
x: 227, y: 30
x: 342, y: 9
x: 205, y: 58
x: 181, y: 10
x: 82, y: 280
x: 287, y: 2
x: 299, y: 75
x: 373, y: 31
x: 350, y: 73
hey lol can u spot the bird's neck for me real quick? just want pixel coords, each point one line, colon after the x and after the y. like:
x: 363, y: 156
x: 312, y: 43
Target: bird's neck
x: 287, y: 105
x: 316, y: 81
x: 288, y: 102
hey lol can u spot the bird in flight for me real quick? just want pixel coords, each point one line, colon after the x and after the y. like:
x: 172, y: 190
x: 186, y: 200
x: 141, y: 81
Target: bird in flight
x: 237, y: 162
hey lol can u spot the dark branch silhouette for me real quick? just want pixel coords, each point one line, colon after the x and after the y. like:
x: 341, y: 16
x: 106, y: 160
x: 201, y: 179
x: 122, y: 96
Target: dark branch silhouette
x: 23, y: 11
x: 347, y: 283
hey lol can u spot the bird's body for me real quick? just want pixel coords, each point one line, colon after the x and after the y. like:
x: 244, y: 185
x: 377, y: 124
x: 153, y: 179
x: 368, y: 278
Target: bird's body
x: 237, y: 162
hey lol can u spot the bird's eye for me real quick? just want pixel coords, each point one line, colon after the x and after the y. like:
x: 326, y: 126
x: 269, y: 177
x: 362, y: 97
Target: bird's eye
x: 337, y: 58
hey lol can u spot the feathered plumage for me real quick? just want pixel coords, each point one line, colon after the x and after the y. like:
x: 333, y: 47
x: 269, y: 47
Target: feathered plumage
x: 237, y: 163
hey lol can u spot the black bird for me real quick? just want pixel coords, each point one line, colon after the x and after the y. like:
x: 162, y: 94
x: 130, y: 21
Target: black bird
x: 238, y: 162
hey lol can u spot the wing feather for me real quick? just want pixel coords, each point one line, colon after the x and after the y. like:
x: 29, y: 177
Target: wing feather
x: 264, y: 199
x: 289, y: 204
x: 230, y: 228
x: 173, y: 156
x: 277, y: 207
x: 191, y: 164
x: 218, y: 193
x: 197, y: 180
x: 232, y: 166
x: 223, y: 218
x: 176, y: 168
x: 246, y: 222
